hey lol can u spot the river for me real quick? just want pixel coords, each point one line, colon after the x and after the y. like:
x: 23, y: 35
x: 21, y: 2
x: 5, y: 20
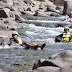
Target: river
x: 21, y: 60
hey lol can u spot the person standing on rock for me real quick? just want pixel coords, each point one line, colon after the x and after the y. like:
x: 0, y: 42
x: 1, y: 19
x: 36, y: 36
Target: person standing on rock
x: 65, y: 36
x: 15, y: 38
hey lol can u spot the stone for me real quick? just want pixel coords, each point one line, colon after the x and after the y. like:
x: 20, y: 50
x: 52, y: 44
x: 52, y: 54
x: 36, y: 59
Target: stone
x: 60, y: 60
x: 4, y: 13
x: 67, y: 69
x: 47, y: 69
x: 8, y: 2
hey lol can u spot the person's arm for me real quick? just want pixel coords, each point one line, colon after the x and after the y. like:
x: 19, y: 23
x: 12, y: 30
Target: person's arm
x: 10, y: 41
x: 60, y: 35
x: 58, y: 38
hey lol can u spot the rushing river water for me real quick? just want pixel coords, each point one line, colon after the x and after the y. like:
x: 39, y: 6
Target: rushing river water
x: 21, y: 60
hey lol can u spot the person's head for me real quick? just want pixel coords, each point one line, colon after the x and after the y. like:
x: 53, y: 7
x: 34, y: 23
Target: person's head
x: 14, y: 34
x: 66, y: 29
x: 70, y: 13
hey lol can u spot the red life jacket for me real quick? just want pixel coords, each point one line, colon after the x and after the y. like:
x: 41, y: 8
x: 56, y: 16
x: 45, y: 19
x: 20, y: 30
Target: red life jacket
x: 70, y: 17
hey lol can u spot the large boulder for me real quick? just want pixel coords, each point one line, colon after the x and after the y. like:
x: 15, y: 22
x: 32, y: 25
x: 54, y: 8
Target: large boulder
x: 4, y: 35
x: 60, y: 60
x: 12, y: 24
x: 4, y: 13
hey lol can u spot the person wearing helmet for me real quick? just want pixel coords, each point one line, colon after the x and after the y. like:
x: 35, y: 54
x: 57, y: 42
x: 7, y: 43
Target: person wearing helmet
x: 64, y: 37
x: 15, y: 38
x: 68, y: 17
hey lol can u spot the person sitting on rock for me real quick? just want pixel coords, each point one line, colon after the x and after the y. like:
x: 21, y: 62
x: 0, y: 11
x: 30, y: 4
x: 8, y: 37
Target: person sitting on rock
x: 15, y: 38
x: 65, y: 36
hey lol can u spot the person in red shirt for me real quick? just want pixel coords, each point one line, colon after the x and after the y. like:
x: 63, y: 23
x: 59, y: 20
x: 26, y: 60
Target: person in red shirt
x: 68, y: 18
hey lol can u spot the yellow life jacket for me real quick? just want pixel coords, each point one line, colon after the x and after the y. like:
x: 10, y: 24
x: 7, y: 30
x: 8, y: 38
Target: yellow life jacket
x: 18, y: 40
x: 65, y: 37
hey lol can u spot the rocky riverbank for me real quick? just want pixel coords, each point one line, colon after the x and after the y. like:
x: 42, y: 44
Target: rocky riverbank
x: 12, y: 10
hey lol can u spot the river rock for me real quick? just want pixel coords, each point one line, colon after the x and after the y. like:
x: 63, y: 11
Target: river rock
x: 39, y: 13
x: 4, y: 13
x: 8, y: 2
x: 67, y: 69
x: 54, y: 14
x: 16, y: 15
x: 4, y: 35
x: 10, y: 23
x: 47, y: 69
x: 30, y: 2
x: 60, y: 60
x: 2, y: 26
x: 19, y: 6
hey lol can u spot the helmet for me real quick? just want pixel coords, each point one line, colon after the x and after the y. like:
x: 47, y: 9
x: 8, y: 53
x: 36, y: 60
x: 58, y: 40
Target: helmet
x: 66, y: 27
x: 70, y: 12
x: 15, y: 32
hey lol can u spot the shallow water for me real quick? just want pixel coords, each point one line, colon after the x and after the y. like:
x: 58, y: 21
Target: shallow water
x: 17, y: 59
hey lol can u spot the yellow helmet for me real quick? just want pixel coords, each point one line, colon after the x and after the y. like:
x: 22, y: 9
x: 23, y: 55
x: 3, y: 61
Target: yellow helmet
x: 70, y: 12
x: 66, y: 27
x: 15, y: 32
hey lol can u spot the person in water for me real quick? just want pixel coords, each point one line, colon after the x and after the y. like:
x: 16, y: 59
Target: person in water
x: 65, y: 36
x: 15, y: 38
x: 68, y: 18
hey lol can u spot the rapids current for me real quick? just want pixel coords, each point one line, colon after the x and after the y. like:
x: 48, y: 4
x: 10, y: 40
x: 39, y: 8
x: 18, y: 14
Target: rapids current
x: 17, y: 59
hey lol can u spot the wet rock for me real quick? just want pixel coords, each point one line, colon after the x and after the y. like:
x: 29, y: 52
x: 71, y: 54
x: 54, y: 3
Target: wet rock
x: 65, y: 55
x: 60, y: 60
x: 4, y: 13
x: 46, y: 69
